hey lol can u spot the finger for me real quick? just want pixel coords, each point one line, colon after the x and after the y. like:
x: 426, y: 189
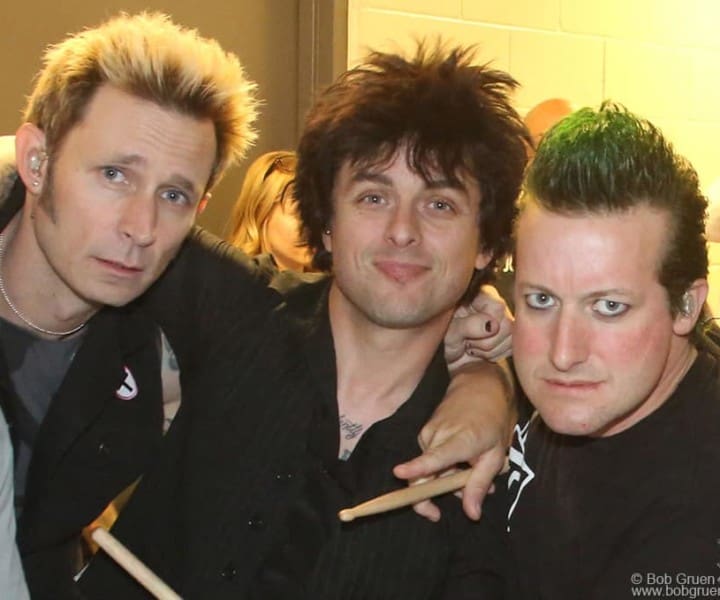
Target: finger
x: 506, y: 465
x: 489, y: 301
x: 481, y: 478
x: 434, y: 460
x: 502, y: 336
x: 421, y: 466
x: 493, y: 354
x: 489, y: 351
x: 478, y: 326
x: 490, y: 345
x: 428, y: 509
x: 454, y: 341
x: 467, y: 328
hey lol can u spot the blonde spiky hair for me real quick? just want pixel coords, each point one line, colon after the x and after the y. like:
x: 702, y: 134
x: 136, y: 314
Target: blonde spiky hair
x: 149, y: 56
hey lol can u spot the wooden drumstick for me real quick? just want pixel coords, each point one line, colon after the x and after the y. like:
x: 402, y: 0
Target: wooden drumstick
x: 407, y: 496
x: 133, y: 565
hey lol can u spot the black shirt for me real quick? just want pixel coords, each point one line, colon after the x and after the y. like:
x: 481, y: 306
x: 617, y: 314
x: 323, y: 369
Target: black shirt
x: 600, y: 518
x: 244, y: 500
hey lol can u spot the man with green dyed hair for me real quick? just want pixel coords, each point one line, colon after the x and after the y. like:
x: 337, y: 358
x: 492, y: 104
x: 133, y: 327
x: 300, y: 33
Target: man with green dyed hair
x: 613, y: 481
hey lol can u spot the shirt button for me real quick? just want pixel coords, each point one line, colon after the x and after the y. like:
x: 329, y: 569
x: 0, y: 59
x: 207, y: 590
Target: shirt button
x: 256, y: 522
x: 229, y: 571
x: 103, y: 449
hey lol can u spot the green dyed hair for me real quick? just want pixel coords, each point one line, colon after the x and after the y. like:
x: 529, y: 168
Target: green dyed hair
x: 610, y: 161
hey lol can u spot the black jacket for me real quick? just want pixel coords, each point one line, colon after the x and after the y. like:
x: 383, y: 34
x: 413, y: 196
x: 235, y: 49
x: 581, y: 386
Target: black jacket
x: 91, y: 444
x: 243, y: 502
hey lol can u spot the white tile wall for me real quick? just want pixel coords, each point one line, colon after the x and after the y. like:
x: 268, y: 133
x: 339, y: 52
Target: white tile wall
x: 659, y: 57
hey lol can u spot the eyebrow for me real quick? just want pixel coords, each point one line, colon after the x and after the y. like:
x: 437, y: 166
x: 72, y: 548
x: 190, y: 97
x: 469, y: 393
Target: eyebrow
x: 594, y: 294
x: 436, y: 184
x: 176, y: 179
x: 364, y: 175
x: 519, y: 283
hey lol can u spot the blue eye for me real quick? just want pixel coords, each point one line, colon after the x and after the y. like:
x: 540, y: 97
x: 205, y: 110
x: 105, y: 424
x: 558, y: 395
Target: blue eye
x: 441, y: 205
x: 610, y: 308
x: 176, y: 196
x: 372, y: 199
x: 113, y: 174
x: 540, y: 300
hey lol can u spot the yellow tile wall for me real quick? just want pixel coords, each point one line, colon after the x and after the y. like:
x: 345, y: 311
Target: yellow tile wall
x: 714, y: 278
x: 659, y: 57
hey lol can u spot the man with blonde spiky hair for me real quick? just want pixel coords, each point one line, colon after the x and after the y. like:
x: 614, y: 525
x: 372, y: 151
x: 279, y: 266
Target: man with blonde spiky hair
x: 128, y: 127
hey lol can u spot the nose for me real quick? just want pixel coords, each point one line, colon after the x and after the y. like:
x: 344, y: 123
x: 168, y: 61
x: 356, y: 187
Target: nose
x: 139, y: 219
x: 569, y: 341
x: 402, y: 227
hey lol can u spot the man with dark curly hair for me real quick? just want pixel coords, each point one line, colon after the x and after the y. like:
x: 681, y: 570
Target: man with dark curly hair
x: 408, y: 170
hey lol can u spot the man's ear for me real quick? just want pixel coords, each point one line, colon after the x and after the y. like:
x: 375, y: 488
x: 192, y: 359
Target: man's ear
x: 482, y: 260
x: 691, y: 308
x: 30, y: 157
x: 327, y: 239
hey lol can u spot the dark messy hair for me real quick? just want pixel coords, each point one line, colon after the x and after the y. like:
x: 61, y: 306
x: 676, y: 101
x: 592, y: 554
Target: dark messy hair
x: 452, y: 117
x: 609, y: 161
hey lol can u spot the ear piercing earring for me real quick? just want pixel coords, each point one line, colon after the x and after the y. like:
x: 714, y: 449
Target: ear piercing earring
x: 688, y: 305
x: 36, y: 161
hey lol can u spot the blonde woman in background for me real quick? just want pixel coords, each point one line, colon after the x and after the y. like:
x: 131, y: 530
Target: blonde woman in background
x: 264, y: 220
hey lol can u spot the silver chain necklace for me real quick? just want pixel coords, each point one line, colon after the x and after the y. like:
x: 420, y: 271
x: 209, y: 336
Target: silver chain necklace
x: 21, y: 316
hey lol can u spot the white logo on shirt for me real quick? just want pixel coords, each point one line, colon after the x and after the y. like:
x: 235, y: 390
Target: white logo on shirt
x: 520, y: 472
x: 128, y: 388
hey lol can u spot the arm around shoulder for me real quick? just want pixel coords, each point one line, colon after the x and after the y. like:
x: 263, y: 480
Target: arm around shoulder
x: 472, y: 424
x: 211, y: 292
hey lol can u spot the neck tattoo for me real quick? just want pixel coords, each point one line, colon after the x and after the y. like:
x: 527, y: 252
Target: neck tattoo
x: 21, y: 316
x: 350, y: 429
